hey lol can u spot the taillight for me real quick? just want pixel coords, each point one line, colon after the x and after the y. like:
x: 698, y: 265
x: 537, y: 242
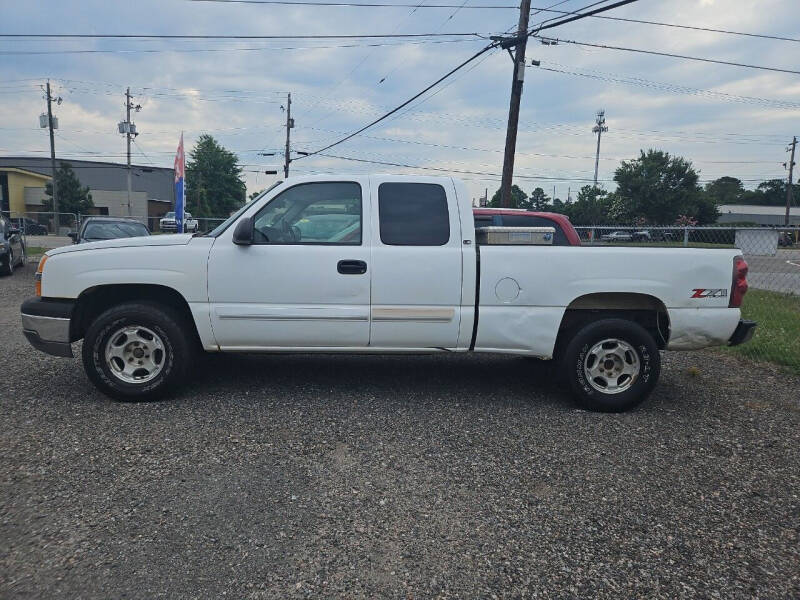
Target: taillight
x: 739, y: 285
x: 38, y: 276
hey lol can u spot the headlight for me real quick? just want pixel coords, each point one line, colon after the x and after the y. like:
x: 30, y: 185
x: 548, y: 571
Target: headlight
x: 38, y: 276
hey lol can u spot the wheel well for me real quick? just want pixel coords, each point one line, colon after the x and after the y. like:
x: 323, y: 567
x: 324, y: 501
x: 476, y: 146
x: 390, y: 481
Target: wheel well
x: 643, y: 309
x: 95, y: 300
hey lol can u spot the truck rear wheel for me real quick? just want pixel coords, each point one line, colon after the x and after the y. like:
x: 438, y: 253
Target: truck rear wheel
x: 136, y: 351
x: 612, y: 365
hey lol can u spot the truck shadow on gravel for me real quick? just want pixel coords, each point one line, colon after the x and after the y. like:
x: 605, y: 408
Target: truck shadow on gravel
x: 463, y: 378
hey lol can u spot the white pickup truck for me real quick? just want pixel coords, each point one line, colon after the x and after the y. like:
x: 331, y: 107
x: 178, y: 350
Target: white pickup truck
x: 383, y: 264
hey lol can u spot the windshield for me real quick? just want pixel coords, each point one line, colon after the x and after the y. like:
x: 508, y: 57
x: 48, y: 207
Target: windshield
x: 112, y: 231
x: 170, y: 215
x: 227, y: 222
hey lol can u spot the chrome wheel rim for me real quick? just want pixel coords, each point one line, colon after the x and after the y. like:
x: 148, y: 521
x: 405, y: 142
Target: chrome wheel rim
x: 611, y: 366
x: 135, y: 354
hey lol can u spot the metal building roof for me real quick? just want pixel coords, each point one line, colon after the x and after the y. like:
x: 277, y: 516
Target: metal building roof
x: 158, y: 182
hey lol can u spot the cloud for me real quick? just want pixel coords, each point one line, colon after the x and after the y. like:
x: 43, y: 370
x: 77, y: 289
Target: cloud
x: 236, y: 95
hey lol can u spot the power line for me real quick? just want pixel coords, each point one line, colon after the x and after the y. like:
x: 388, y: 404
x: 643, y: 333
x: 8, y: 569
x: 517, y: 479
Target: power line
x: 534, y: 10
x: 444, y: 170
x: 240, y: 49
x: 536, y: 154
x: 363, y: 60
x: 407, y: 102
x: 448, y: 74
x: 162, y: 36
x: 588, y: 180
x: 683, y: 56
x: 356, y: 4
x: 575, y: 16
x: 698, y: 28
x: 678, y: 89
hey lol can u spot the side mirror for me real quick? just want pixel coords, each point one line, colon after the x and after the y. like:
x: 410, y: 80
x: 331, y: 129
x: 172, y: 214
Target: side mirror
x: 73, y: 236
x: 243, y: 234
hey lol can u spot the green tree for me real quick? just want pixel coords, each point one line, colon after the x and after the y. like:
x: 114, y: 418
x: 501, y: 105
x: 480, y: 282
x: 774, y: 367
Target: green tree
x: 725, y: 190
x: 771, y: 193
x: 518, y: 198
x: 538, y: 201
x: 592, y: 207
x: 656, y: 186
x: 214, y: 185
x: 72, y: 197
x: 705, y: 210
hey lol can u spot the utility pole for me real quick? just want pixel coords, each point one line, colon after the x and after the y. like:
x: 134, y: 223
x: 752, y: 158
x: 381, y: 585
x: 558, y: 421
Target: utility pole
x: 51, y: 125
x: 518, y: 56
x: 289, y: 124
x: 789, y: 187
x: 129, y: 129
x: 599, y: 128
x: 128, y: 142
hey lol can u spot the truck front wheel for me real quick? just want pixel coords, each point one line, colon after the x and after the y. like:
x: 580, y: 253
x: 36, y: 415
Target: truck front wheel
x: 612, y: 365
x: 136, y: 351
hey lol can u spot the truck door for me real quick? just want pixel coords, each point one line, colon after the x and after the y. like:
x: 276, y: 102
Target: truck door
x: 304, y: 282
x: 416, y: 264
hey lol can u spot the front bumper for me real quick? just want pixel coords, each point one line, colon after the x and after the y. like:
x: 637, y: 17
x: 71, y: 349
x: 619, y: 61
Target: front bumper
x: 46, y: 324
x: 743, y: 333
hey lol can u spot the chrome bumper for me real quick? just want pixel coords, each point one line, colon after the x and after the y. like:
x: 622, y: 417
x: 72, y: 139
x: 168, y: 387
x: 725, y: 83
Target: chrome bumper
x: 48, y: 332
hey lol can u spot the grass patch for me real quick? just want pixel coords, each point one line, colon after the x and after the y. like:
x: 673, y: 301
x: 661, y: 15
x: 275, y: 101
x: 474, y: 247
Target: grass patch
x: 777, y: 337
x: 34, y: 250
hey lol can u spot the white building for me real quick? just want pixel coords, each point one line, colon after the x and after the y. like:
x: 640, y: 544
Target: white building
x: 754, y: 213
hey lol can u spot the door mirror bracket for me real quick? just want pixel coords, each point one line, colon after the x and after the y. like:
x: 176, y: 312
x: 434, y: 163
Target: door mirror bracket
x: 243, y: 234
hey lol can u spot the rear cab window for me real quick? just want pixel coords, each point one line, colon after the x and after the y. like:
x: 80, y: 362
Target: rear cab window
x: 413, y: 214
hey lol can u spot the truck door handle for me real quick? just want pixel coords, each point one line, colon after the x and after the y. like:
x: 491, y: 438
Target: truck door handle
x: 351, y: 267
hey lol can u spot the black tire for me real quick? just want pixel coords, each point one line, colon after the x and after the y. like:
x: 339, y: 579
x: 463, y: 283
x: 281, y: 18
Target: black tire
x: 7, y: 264
x: 176, y: 356
x: 23, y: 258
x: 577, y: 356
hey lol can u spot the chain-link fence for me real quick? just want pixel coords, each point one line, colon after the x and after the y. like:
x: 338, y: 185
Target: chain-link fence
x: 43, y: 223
x: 154, y: 224
x: 773, y: 256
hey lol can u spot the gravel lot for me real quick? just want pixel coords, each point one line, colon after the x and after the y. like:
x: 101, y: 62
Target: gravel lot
x: 405, y: 477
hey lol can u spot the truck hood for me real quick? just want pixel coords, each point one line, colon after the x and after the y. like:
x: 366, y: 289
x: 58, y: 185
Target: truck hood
x: 177, y: 239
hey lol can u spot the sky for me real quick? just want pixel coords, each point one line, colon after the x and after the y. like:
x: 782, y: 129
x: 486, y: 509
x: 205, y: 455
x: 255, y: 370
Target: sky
x: 727, y: 120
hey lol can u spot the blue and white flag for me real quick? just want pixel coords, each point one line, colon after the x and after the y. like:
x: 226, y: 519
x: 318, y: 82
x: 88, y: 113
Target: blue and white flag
x: 180, y: 187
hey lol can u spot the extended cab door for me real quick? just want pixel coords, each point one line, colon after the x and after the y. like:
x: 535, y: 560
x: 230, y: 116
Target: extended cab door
x: 304, y: 282
x: 416, y: 263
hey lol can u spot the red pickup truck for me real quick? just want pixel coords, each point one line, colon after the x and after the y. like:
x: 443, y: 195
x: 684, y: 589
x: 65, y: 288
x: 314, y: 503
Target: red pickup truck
x: 565, y: 234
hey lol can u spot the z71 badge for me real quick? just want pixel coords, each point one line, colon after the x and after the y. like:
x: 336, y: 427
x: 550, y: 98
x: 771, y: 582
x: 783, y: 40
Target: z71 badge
x: 706, y: 293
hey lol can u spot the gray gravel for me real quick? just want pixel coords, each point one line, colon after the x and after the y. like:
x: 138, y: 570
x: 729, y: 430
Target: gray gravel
x: 405, y: 477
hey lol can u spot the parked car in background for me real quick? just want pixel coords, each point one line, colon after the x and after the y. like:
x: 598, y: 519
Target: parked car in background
x: 12, y: 247
x: 96, y: 229
x: 565, y: 234
x: 785, y: 239
x: 661, y: 235
x: 617, y: 236
x: 167, y: 223
x: 641, y: 235
x: 28, y: 226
